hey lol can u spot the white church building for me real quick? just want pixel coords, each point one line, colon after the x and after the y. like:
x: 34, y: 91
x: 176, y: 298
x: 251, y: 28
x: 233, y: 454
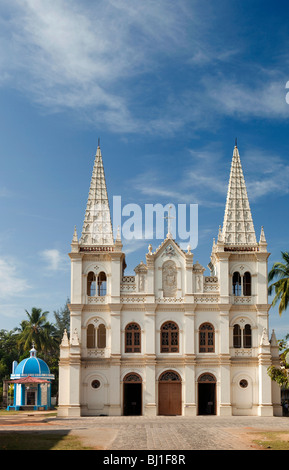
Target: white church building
x: 169, y: 340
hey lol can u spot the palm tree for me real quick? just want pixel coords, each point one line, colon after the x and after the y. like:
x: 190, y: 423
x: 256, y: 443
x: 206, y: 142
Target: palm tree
x: 280, y: 271
x: 38, y: 330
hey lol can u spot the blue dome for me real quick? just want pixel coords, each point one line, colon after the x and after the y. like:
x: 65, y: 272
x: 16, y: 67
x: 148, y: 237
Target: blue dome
x: 32, y: 366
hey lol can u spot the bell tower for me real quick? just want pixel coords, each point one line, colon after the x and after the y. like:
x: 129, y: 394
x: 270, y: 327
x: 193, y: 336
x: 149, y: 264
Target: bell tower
x: 96, y: 259
x: 240, y: 263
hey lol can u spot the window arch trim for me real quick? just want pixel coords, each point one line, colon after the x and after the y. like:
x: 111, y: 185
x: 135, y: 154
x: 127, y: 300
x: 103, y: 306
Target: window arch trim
x: 169, y: 337
x: 247, y: 284
x: 236, y: 284
x: 242, y: 336
x: 90, y: 336
x: 91, y: 284
x: 206, y: 338
x: 132, y: 338
x: 96, y: 284
x: 101, y: 284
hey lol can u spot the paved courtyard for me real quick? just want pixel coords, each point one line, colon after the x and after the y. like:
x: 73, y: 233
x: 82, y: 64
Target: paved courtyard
x: 158, y: 433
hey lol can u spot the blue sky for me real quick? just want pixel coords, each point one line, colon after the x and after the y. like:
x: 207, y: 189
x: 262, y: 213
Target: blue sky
x: 167, y: 86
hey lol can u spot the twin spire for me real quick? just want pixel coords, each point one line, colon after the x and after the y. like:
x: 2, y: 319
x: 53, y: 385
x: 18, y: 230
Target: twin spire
x: 238, y: 228
x: 97, y: 227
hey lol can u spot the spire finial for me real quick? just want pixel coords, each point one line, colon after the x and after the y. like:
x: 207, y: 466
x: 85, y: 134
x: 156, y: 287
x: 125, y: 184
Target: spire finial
x: 98, y: 142
x: 33, y: 350
x: 235, y: 141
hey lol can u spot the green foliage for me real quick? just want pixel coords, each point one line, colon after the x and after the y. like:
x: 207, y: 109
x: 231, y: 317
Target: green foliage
x: 39, y: 331
x: 16, y: 344
x: 280, y: 271
x: 62, y: 320
x: 279, y: 375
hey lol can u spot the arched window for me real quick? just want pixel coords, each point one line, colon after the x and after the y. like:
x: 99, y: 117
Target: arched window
x: 90, y: 337
x: 101, y: 336
x: 132, y: 338
x: 247, y: 283
x: 91, y: 284
x: 237, y: 336
x: 169, y: 337
x: 242, y: 338
x: 206, y: 338
x: 101, y: 284
x: 236, y: 284
x: 247, y: 336
x: 170, y: 376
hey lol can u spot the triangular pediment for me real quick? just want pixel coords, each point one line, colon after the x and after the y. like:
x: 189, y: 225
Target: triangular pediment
x: 169, y: 248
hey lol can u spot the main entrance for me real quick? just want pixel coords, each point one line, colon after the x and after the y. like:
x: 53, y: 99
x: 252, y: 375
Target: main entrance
x: 207, y: 395
x: 170, y: 394
x: 132, y: 395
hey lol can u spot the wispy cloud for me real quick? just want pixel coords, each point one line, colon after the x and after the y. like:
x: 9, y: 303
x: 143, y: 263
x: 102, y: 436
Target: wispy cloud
x: 272, y: 176
x: 262, y: 97
x: 72, y: 55
x: 55, y: 260
x: 12, y: 283
x: 104, y: 61
x: 204, y: 179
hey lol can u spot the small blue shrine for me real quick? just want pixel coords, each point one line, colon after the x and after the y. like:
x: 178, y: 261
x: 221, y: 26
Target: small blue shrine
x: 32, y: 383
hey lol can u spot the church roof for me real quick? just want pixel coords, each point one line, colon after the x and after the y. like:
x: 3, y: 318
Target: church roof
x: 97, y: 227
x: 238, y: 228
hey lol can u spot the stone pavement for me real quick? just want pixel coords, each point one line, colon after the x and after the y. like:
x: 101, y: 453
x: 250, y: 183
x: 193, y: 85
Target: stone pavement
x: 157, y: 433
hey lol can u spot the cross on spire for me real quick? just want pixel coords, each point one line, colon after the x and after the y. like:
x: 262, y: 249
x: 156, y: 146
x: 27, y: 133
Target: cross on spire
x: 169, y: 218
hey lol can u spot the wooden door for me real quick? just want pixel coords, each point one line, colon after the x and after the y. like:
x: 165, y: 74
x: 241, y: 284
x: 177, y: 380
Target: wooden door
x: 170, y: 398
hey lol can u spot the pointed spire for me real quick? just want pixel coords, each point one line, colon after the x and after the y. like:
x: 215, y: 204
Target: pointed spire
x: 238, y: 227
x: 262, y: 236
x: 74, y: 238
x: 97, y: 228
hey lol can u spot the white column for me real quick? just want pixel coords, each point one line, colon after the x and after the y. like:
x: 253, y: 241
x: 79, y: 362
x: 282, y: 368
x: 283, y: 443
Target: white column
x: 225, y: 408
x: 149, y: 391
x: 114, y: 389
x: 148, y: 349
x: 115, y: 383
x: 265, y: 407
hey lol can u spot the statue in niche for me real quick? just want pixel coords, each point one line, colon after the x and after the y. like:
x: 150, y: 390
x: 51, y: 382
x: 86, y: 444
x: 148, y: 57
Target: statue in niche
x: 169, y: 274
x: 141, y: 283
x: 198, y: 283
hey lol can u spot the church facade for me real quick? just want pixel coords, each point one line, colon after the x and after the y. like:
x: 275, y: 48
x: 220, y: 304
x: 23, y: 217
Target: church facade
x: 170, y: 340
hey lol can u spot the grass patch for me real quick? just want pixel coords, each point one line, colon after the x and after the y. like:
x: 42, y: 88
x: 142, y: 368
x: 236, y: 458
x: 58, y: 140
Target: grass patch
x: 39, y: 441
x: 23, y: 413
x: 273, y: 440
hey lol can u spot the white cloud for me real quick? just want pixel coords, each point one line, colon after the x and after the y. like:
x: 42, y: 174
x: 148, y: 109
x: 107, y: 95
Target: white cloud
x: 55, y: 260
x: 107, y: 59
x: 272, y: 176
x: 263, y: 96
x: 204, y: 180
x: 12, y: 284
x: 67, y: 54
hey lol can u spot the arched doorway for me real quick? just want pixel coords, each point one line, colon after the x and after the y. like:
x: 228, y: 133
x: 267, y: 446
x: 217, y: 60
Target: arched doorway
x: 207, y: 394
x: 132, y: 394
x: 170, y: 394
